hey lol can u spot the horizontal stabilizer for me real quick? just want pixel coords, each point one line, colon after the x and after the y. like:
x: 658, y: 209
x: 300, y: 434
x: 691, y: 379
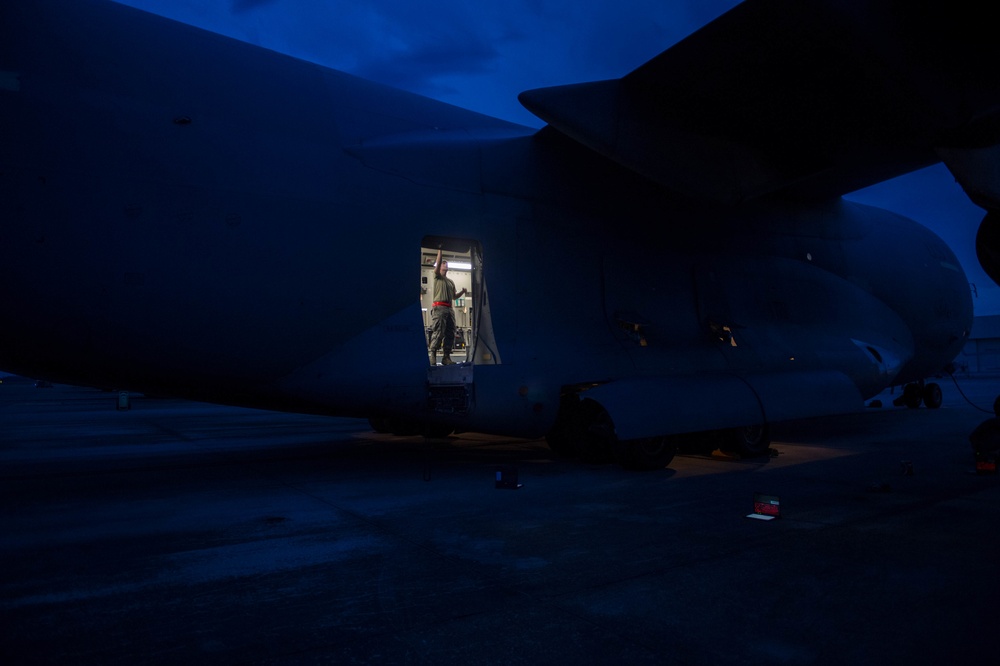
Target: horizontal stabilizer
x: 807, y: 98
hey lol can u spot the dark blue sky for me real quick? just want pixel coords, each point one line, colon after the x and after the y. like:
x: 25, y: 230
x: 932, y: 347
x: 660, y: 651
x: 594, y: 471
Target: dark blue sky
x: 480, y: 55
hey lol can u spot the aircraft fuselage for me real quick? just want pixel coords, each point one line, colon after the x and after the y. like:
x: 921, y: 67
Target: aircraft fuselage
x: 183, y: 213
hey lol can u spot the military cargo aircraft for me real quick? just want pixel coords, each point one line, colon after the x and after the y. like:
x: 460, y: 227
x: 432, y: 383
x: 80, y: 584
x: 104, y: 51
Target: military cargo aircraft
x: 186, y: 214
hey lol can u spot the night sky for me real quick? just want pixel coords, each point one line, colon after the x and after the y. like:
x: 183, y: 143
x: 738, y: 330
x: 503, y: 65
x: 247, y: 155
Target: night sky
x: 480, y: 55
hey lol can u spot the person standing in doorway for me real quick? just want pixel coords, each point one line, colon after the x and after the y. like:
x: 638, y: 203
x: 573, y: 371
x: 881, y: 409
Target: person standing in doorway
x: 442, y: 315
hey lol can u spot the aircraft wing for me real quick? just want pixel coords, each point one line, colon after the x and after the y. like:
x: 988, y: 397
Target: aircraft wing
x: 811, y: 98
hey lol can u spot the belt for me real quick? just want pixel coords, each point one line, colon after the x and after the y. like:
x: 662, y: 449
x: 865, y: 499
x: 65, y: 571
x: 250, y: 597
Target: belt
x: 446, y: 304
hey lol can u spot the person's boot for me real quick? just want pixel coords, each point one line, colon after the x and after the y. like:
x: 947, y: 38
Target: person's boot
x: 446, y: 360
x: 434, y: 358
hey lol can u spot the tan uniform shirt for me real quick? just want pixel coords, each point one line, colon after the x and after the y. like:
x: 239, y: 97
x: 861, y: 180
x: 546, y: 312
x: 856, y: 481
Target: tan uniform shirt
x: 444, y: 289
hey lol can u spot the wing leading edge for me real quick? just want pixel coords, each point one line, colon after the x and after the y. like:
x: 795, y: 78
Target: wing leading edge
x: 796, y: 98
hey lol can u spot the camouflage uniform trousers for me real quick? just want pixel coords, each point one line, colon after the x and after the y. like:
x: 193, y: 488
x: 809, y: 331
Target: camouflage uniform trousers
x: 442, y: 329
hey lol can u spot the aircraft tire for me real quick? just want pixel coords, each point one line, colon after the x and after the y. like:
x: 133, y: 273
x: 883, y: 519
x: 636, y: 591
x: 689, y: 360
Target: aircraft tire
x: 648, y: 453
x: 403, y: 427
x: 436, y: 430
x: 932, y: 396
x: 596, y: 443
x: 911, y: 396
x: 563, y: 439
x: 750, y: 441
x: 561, y: 443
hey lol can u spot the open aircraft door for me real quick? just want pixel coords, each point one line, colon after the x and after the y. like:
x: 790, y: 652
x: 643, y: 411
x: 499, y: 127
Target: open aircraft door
x: 450, y: 388
x: 484, y: 347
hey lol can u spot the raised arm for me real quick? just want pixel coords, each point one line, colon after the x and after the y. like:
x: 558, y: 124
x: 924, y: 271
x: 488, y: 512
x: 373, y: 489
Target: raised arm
x: 437, y: 263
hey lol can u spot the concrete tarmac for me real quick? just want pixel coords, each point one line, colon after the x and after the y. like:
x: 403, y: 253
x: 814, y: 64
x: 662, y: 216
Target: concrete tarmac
x: 178, y: 532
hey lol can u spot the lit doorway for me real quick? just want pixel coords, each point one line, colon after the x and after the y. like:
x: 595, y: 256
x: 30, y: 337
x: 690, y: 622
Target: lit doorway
x: 474, y: 342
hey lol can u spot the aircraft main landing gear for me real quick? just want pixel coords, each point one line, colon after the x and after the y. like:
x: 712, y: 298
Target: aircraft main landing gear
x: 916, y: 392
x: 647, y: 453
x: 749, y: 441
x: 585, y: 429
x: 932, y: 396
